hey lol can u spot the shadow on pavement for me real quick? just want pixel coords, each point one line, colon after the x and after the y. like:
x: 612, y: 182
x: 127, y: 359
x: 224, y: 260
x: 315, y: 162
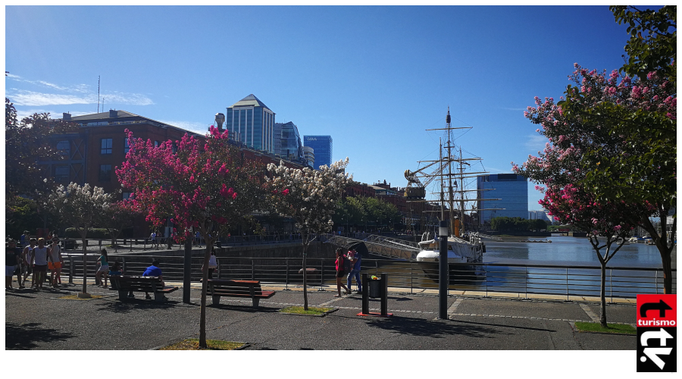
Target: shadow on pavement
x: 429, y: 328
x: 130, y: 305
x: 25, y: 336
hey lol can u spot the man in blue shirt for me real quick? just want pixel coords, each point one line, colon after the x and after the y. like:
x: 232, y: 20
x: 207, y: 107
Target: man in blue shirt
x: 152, y: 270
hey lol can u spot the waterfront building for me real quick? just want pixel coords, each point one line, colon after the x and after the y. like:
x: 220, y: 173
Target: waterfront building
x: 309, y: 155
x: 323, y: 146
x: 99, y: 145
x: 288, y: 142
x: 510, y: 189
x: 252, y: 123
x: 540, y: 215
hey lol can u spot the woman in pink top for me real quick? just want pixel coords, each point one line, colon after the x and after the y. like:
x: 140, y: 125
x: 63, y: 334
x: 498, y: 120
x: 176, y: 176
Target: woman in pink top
x: 340, y: 273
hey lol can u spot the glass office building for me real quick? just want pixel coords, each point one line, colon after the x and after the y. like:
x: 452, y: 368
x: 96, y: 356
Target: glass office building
x: 288, y: 142
x: 252, y: 123
x: 322, y: 146
x: 510, y: 189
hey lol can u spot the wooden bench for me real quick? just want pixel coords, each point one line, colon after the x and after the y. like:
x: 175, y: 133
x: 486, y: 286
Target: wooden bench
x: 126, y: 283
x: 237, y: 288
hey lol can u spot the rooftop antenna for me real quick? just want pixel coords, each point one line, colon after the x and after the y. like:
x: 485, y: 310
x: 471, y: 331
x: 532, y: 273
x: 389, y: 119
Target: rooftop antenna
x: 97, y: 93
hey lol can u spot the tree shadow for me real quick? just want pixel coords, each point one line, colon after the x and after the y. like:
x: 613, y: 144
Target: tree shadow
x: 433, y: 328
x: 243, y: 308
x: 130, y: 305
x: 27, y: 336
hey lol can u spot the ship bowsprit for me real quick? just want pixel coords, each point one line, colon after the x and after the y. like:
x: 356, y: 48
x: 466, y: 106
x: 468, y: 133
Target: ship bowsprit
x: 386, y: 247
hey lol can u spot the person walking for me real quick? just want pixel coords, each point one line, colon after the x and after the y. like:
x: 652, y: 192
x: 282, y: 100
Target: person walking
x: 54, y: 263
x: 39, y: 263
x: 26, y: 263
x: 103, y: 270
x: 355, y: 262
x: 212, y: 264
x: 340, y: 273
x: 12, y: 263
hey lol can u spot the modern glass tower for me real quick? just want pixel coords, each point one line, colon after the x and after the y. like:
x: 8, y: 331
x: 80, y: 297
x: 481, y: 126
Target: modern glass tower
x: 288, y: 142
x: 252, y: 123
x: 510, y: 189
x: 322, y: 146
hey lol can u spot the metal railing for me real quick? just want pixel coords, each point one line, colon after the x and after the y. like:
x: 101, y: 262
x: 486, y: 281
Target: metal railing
x: 559, y: 280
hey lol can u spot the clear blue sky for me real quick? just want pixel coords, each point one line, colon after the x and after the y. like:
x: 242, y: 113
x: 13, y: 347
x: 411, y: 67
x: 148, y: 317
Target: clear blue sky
x: 374, y: 78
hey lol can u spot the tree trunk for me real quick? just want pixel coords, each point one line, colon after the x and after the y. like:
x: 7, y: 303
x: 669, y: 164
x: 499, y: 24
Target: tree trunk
x: 204, y: 286
x: 305, y: 274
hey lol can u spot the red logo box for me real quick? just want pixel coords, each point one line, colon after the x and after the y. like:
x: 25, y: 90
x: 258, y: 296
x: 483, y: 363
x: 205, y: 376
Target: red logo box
x: 656, y: 311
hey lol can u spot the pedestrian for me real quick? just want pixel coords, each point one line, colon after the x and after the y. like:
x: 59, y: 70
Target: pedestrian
x: 197, y: 238
x: 12, y: 263
x: 103, y: 270
x: 212, y: 264
x: 39, y: 263
x: 355, y: 262
x: 26, y: 263
x: 152, y: 237
x: 24, y: 239
x: 54, y: 263
x: 340, y: 273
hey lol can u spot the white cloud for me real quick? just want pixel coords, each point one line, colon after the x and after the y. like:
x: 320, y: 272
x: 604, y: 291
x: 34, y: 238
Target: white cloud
x: 56, y: 94
x: 38, y: 99
x: 196, y: 127
x: 536, y: 143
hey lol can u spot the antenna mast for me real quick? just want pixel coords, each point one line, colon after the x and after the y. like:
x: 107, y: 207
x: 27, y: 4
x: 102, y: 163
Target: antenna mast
x: 97, y: 93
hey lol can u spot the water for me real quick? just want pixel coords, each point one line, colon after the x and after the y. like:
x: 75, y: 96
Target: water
x: 570, y: 251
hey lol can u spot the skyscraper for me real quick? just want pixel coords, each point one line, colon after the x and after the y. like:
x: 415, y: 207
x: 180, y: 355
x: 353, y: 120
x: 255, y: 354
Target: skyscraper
x: 288, y: 142
x: 510, y: 189
x: 322, y: 146
x: 252, y: 123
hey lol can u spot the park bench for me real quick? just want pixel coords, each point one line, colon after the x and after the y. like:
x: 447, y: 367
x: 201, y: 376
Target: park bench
x: 125, y: 283
x: 237, y: 288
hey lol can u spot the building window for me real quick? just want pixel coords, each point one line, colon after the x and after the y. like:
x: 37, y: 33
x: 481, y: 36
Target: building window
x: 64, y: 148
x: 126, y: 195
x: 61, y: 174
x: 105, y: 173
x: 106, y: 146
x: 126, y: 146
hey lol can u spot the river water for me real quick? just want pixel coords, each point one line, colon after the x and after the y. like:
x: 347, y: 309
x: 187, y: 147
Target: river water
x: 570, y: 251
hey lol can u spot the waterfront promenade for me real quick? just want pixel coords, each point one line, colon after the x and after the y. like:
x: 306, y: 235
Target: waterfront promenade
x: 51, y: 319
x: 477, y: 326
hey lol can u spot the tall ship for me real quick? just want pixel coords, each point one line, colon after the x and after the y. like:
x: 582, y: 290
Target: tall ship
x: 455, y: 203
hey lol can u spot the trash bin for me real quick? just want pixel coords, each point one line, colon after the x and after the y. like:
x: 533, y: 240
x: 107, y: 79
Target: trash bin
x: 375, y: 288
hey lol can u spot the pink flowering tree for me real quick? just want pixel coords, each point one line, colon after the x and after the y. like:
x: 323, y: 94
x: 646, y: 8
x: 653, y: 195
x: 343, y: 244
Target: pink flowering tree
x: 606, y: 224
x: 309, y: 197
x: 199, y: 184
x: 615, y: 139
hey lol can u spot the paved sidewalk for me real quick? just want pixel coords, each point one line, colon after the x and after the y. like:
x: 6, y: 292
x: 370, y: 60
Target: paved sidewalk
x: 47, y: 320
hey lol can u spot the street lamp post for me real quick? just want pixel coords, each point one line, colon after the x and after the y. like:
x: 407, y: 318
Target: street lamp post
x: 443, y: 279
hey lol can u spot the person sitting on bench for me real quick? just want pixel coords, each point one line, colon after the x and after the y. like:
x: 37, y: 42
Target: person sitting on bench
x: 152, y: 270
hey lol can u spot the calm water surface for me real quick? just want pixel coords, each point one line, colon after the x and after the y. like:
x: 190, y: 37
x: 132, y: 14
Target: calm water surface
x: 570, y: 251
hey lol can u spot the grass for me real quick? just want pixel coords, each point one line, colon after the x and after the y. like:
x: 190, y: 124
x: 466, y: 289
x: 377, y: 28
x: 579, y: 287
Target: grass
x: 595, y: 327
x: 193, y: 344
x: 315, y: 311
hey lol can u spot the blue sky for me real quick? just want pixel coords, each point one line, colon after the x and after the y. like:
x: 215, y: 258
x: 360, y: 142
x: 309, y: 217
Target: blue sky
x: 374, y: 78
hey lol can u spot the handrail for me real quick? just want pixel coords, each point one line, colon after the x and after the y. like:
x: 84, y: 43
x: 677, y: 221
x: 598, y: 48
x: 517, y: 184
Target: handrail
x: 551, y: 279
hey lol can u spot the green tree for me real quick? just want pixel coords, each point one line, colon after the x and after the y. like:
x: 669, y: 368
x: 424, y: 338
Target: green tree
x: 27, y: 142
x: 653, y: 40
